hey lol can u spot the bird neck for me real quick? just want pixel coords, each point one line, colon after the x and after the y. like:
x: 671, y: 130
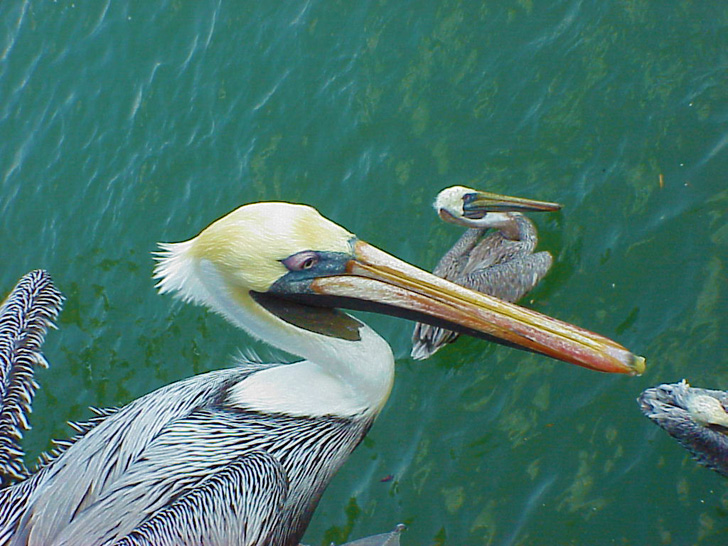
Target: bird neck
x: 506, y: 222
x: 348, y: 368
x: 512, y: 225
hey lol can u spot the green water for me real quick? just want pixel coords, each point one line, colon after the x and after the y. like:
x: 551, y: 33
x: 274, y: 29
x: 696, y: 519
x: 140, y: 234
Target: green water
x: 127, y: 123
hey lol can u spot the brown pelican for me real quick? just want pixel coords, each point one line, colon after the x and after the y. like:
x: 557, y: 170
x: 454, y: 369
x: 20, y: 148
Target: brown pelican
x: 242, y: 456
x: 500, y: 263
x: 695, y: 417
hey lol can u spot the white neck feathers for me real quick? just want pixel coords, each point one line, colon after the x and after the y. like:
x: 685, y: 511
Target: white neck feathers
x: 339, y: 377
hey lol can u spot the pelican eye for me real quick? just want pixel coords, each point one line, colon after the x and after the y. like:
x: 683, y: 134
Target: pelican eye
x: 301, y: 261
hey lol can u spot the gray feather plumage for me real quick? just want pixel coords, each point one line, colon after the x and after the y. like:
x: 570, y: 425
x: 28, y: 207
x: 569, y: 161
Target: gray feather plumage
x: 489, y: 262
x: 150, y: 464
x: 181, y: 465
x: 25, y: 315
x: 179, y: 522
x: 668, y: 406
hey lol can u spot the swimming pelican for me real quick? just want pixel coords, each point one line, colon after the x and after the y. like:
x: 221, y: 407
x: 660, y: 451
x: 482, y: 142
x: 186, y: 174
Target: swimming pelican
x: 242, y: 456
x: 695, y: 417
x: 500, y: 263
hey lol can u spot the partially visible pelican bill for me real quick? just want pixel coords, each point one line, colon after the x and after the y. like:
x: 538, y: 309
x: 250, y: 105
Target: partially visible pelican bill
x: 494, y: 256
x: 242, y: 455
x: 696, y: 418
x: 384, y: 539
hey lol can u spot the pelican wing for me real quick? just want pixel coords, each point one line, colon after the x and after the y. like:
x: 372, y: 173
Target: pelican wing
x: 669, y: 406
x: 25, y: 315
x: 103, y: 471
x: 250, y: 491
x: 511, y: 280
x: 452, y: 264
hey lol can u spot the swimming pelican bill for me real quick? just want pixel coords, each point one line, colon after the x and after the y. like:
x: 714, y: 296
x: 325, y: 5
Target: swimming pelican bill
x: 475, y: 204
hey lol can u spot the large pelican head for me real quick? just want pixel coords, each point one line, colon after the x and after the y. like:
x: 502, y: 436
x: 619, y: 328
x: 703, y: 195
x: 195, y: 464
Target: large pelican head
x: 287, y: 261
x: 479, y: 209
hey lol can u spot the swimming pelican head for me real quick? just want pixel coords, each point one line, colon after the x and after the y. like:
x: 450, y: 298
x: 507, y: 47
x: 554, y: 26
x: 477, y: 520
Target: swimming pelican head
x: 479, y: 209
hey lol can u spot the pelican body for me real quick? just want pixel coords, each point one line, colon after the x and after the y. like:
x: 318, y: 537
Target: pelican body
x: 242, y: 455
x: 696, y: 418
x: 494, y: 256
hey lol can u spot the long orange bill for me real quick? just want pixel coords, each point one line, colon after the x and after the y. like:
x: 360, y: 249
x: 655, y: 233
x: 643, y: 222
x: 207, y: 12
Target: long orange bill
x: 375, y: 276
